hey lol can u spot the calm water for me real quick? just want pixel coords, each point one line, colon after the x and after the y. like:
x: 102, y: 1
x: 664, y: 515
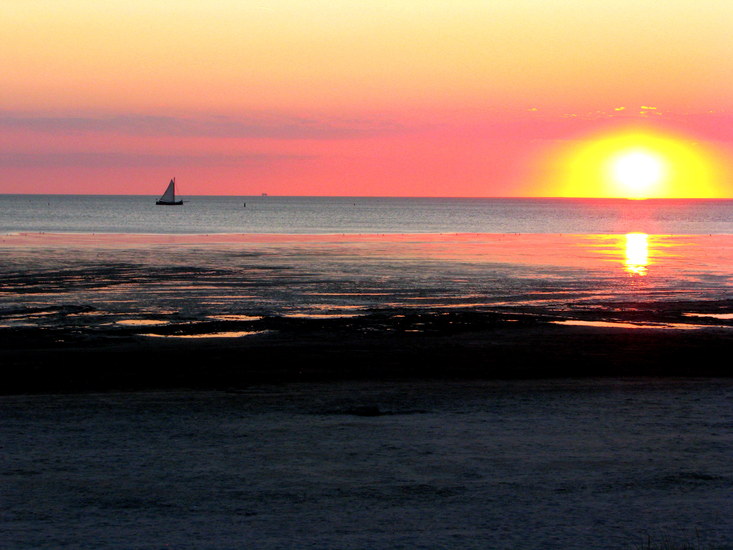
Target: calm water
x: 299, y: 215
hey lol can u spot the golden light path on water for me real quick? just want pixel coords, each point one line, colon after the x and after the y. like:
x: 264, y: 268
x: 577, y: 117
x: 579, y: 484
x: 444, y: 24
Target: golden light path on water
x: 637, y: 253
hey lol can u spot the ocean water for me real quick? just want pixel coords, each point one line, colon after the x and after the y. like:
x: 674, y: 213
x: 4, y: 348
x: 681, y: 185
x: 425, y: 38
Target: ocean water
x: 328, y: 215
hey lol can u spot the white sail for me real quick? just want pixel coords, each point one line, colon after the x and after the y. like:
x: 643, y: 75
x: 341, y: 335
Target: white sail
x: 170, y: 192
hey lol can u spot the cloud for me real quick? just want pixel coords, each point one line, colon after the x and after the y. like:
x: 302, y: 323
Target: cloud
x: 118, y: 159
x: 255, y: 126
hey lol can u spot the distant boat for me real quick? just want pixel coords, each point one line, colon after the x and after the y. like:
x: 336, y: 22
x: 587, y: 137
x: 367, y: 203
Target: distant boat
x: 169, y: 197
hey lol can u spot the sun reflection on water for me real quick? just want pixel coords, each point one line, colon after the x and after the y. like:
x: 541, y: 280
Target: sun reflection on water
x: 637, y: 253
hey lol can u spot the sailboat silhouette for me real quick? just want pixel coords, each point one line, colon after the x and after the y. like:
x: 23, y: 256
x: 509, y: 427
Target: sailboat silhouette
x: 169, y: 197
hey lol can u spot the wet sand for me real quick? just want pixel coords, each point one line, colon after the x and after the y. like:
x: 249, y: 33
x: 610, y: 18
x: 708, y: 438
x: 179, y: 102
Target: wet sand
x: 82, y: 313
x: 334, y: 355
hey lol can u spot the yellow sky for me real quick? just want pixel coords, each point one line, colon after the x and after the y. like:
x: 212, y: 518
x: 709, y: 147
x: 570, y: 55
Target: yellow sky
x: 325, y: 55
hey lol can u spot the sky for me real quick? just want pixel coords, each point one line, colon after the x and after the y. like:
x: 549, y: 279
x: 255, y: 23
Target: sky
x: 473, y: 98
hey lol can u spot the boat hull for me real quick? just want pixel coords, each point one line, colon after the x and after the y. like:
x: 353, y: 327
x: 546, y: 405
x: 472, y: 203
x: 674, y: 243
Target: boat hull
x: 167, y: 203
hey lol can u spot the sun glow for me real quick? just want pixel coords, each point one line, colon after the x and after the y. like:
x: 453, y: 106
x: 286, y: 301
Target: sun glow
x: 638, y: 165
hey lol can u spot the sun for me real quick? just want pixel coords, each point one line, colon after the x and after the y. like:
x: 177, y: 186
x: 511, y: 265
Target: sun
x: 636, y: 164
x: 637, y: 172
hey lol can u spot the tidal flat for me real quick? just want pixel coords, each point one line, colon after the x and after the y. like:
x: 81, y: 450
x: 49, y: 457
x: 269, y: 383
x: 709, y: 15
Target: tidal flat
x: 156, y: 311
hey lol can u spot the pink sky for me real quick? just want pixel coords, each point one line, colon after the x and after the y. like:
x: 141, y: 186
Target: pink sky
x: 296, y: 97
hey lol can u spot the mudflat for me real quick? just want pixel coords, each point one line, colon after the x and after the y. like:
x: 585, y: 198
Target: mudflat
x: 82, y: 312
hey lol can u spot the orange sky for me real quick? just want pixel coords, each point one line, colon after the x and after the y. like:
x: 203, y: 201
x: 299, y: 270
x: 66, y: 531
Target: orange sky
x: 315, y: 97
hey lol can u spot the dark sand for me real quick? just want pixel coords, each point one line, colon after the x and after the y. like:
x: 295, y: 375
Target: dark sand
x: 459, y: 345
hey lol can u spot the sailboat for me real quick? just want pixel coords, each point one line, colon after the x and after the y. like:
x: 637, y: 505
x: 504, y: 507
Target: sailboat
x: 169, y: 197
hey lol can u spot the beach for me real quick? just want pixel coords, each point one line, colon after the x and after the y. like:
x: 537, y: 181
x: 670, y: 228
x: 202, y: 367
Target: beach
x: 565, y: 463
x: 365, y: 390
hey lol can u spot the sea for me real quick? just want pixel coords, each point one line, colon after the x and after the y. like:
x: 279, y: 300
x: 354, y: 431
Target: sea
x: 565, y: 464
x: 367, y: 215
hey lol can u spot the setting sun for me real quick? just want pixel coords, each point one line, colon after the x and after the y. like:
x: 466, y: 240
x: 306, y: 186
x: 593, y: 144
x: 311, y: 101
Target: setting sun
x: 637, y: 172
x: 637, y: 165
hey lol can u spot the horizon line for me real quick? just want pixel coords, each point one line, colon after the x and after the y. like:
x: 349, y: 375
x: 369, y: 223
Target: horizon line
x: 267, y: 195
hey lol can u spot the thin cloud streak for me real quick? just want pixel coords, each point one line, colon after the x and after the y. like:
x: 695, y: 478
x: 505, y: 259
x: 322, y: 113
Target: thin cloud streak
x: 533, y: 124
x: 116, y: 159
x: 218, y: 126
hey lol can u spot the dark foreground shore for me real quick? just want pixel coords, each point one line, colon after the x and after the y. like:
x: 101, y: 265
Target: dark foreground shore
x: 399, y: 346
